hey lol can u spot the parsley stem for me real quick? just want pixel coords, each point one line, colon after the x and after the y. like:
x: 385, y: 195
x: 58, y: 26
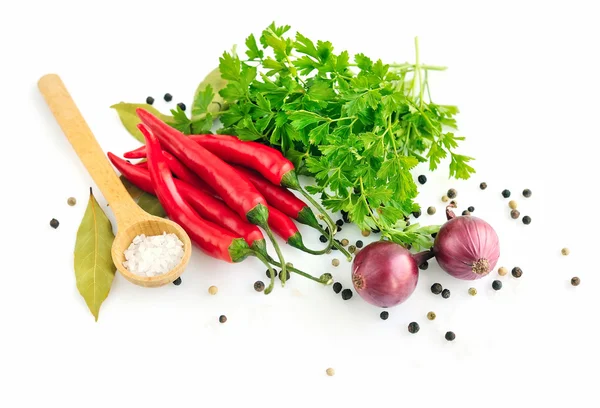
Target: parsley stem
x: 418, y: 71
x: 411, y: 67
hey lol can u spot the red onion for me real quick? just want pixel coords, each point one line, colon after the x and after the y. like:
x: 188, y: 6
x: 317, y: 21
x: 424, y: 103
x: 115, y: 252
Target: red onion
x: 466, y: 247
x: 386, y: 274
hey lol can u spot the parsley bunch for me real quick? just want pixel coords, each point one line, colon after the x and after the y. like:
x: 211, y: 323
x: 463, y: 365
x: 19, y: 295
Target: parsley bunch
x: 357, y: 126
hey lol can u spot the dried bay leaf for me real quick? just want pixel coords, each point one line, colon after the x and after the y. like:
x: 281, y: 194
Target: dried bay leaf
x: 146, y: 201
x: 94, y: 267
x: 217, y: 83
x: 130, y: 119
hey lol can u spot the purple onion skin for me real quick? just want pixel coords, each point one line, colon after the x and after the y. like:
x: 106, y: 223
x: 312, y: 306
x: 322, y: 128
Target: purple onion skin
x: 466, y: 247
x: 385, y: 274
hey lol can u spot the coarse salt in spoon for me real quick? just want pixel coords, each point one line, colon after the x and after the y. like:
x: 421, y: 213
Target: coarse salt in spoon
x: 131, y: 219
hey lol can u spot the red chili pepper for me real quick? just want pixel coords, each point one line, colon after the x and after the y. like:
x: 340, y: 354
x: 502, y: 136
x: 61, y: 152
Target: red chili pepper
x: 239, y: 194
x: 269, y: 162
x: 207, y: 206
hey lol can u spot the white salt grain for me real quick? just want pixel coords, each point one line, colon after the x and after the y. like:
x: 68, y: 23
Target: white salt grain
x: 153, y: 255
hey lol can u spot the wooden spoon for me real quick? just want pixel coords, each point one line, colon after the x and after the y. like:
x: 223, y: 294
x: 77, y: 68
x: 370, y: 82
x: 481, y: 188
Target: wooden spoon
x: 131, y: 219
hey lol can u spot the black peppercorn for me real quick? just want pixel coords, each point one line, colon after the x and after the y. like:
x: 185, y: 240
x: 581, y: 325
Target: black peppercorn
x: 339, y: 228
x: 268, y: 273
x: 483, y: 186
x: 323, y: 238
x: 505, y: 193
x: 497, y: 285
x: 337, y: 287
x: 149, y: 100
x: 359, y: 244
x: 375, y: 230
x: 446, y: 293
x: 384, y: 315
x: 222, y: 319
x: 471, y: 209
x: 287, y: 275
x: 424, y: 266
x: 517, y: 272
x: 346, y: 294
x: 181, y: 106
x: 575, y: 281
x: 434, y: 235
x: 177, y: 281
x: 259, y: 286
x: 515, y: 214
x: 416, y: 214
x: 339, y: 223
x: 436, y: 288
x: 413, y: 327
x: 168, y: 97
x: 450, y: 336
x: 527, y: 220
x: 466, y: 212
x: 345, y: 216
x: 422, y: 179
x: 527, y: 193
x: 451, y: 193
x: 54, y: 223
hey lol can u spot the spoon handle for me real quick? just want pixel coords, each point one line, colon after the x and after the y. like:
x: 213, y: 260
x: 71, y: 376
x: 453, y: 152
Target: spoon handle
x: 87, y: 148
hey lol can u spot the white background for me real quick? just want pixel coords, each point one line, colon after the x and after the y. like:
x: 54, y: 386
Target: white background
x: 525, y: 76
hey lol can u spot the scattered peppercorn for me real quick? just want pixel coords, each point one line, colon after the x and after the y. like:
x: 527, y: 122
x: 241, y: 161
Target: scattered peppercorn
x: 149, y: 100
x: 450, y: 336
x: 575, y: 281
x: 424, y: 266
x: 466, y: 212
x: 181, y: 106
x: 527, y: 220
x: 168, y: 97
x: 268, y: 273
x: 502, y: 271
x: 472, y: 291
x: 287, y: 275
x: 330, y: 372
x: 565, y: 251
x: 515, y: 214
x: 454, y: 203
x: 483, y: 186
x: 359, y: 244
x: 346, y: 294
x: 335, y: 262
x: 413, y: 327
x: 505, y: 193
x: 431, y: 316
x: 434, y: 235
x: 71, y: 201
x: 352, y: 249
x: 375, y: 230
x: 337, y: 287
x: 451, y: 193
x: 345, y: 242
x: 222, y: 319
x: 213, y: 290
x: 436, y: 288
x: 54, y: 223
x: 323, y: 238
x: 345, y: 216
x: 384, y: 315
x: 517, y: 272
x: 512, y: 204
x: 365, y: 233
x: 497, y: 285
x: 445, y: 198
x: 431, y: 210
x: 416, y: 214
x: 339, y: 223
x: 446, y: 293
x: 339, y: 228
x: 422, y: 179
x: 527, y: 193
x: 177, y: 281
x: 471, y: 209
x: 259, y: 286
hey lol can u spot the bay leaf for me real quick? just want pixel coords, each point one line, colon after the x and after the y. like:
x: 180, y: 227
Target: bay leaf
x: 94, y: 267
x: 217, y: 83
x: 148, y: 202
x: 130, y: 120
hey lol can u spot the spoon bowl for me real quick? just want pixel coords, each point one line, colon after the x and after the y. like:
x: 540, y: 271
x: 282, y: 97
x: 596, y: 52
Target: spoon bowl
x: 131, y: 219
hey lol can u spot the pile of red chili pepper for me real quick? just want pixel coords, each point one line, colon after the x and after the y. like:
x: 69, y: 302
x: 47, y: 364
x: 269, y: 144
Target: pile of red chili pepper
x: 221, y: 190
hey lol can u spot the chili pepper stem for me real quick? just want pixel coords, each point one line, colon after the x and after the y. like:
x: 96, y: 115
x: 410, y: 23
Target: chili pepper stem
x: 279, y: 254
x: 299, y: 272
x: 296, y: 241
x: 264, y: 259
x: 337, y: 245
